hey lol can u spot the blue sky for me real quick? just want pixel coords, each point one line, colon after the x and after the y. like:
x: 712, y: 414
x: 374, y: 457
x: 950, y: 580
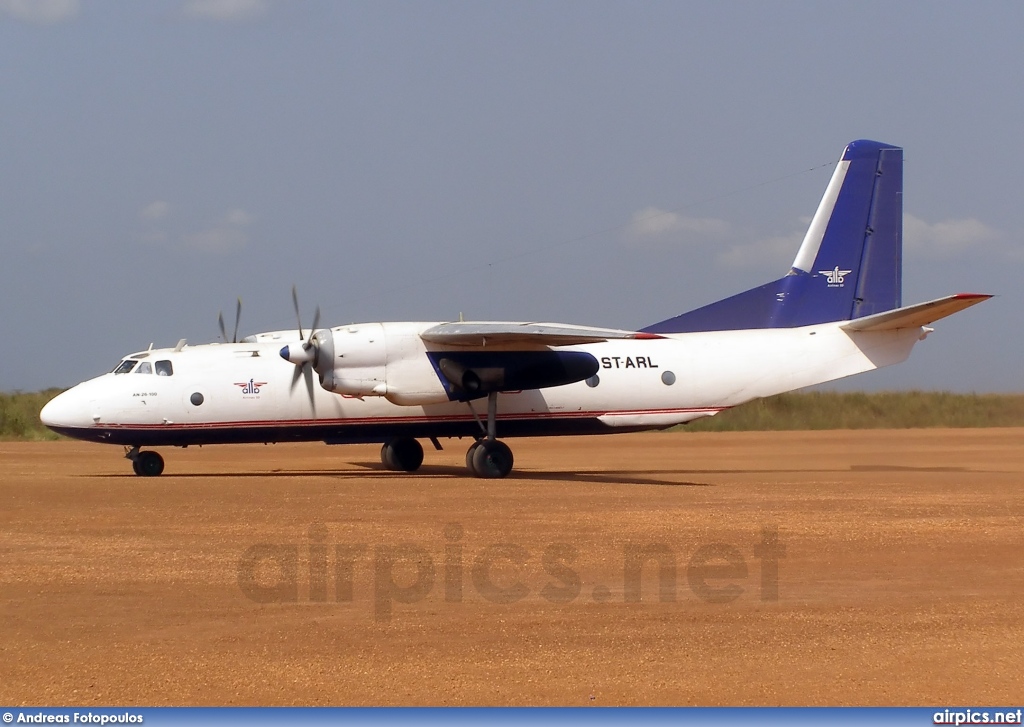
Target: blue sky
x: 418, y: 160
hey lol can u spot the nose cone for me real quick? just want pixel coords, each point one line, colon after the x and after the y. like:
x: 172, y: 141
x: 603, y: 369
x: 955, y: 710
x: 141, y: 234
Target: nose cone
x: 298, y: 354
x: 69, y: 410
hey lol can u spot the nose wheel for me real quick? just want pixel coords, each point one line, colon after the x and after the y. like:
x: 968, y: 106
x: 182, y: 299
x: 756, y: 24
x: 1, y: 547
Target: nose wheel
x: 489, y: 458
x: 145, y: 464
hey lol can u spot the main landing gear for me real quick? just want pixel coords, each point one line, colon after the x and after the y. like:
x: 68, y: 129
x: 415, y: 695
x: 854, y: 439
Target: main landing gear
x: 487, y: 457
x: 145, y: 464
x: 402, y: 455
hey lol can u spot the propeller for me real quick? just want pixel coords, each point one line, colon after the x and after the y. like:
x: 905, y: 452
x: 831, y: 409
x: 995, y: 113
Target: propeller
x: 223, y: 330
x: 304, y: 356
x: 303, y: 371
x: 298, y: 316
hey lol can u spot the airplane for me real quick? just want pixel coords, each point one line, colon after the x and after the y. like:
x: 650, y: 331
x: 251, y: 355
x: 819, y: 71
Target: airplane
x: 835, y: 313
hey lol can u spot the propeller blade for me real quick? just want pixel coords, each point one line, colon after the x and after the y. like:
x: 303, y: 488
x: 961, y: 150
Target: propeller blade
x: 304, y: 371
x: 238, y: 316
x: 308, y: 373
x: 223, y: 331
x: 308, y: 343
x: 316, y: 322
x: 295, y: 300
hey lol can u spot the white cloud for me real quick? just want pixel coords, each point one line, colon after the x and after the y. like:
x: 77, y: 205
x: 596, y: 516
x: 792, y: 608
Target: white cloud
x: 154, y: 215
x: 735, y: 247
x: 237, y: 217
x: 226, y: 10
x: 155, y: 210
x: 653, y: 225
x: 226, y: 235
x: 153, y: 237
x: 741, y: 247
x: 771, y: 252
x: 941, y: 240
x: 951, y: 238
x: 42, y: 12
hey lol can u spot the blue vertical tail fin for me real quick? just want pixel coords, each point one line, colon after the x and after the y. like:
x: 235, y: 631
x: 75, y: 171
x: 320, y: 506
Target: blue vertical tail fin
x: 849, y: 264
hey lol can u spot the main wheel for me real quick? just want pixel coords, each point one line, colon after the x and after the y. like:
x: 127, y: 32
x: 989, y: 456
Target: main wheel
x: 148, y: 464
x: 492, y: 459
x: 469, y: 456
x: 403, y: 455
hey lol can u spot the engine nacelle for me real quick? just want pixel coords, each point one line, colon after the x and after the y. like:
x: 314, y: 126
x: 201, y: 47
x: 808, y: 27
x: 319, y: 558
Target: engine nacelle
x: 474, y: 374
x: 352, y: 360
x: 373, y: 359
x: 355, y: 382
x: 416, y: 396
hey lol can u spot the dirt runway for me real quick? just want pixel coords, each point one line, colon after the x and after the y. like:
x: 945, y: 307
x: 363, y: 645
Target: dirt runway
x: 796, y: 568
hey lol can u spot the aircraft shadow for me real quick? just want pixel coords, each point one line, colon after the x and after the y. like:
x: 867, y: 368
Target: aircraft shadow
x: 376, y: 471
x: 653, y: 478
x: 611, y: 477
x: 901, y: 468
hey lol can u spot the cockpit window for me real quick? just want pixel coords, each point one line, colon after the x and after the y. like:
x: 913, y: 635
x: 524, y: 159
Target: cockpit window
x: 144, y: 368
x: 164, y: 368
x: 124, y: 367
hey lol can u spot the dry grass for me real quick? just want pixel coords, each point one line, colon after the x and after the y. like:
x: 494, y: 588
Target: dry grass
x: 19, y: 415
x: 882, y: 410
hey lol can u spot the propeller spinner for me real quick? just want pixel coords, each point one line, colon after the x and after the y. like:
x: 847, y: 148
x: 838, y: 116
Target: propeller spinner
x: 306, y: 355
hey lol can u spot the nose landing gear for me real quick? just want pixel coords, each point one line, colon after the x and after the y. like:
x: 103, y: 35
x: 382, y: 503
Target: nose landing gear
x: 145, y: 464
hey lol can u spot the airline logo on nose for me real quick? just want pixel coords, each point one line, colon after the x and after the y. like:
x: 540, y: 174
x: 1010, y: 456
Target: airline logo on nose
x: 835, y: 276
x: 250, y: 387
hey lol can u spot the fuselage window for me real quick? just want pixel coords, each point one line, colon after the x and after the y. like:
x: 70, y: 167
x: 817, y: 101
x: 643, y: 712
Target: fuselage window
x: 124, y: 367
x: 145, y: 368
x: 163, y: 368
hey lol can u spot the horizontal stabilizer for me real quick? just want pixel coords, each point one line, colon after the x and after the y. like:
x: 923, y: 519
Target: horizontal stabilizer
x: 914, y: 316
x: 542, y: 334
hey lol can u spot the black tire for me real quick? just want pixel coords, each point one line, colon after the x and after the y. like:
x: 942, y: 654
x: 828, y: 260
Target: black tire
x: 385, y: 456
x: 136, y: 468
x: 469, y: 457
x: 149, y: 464
x: 402, y: 455
x: 492, y: 459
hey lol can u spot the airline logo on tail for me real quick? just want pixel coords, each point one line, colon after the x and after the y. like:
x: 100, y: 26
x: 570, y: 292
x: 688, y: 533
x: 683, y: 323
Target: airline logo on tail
x: 835, y: 276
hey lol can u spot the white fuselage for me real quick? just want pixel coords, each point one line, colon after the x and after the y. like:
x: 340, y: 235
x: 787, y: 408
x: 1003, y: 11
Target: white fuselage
x: 247, y: 393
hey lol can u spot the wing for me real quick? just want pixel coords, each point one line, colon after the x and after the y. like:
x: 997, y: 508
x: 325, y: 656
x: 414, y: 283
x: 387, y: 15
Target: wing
x: 913, y: 316
x: 543, y: 334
